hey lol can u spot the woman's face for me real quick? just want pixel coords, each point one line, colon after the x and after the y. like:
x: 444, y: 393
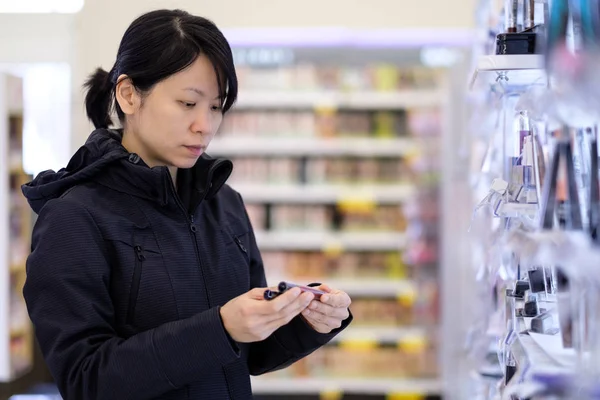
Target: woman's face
x: 176, y: 121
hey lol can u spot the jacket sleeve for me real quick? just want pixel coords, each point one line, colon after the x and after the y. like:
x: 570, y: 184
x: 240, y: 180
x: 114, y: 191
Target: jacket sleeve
x: 68, y: 299
x: 289, y: 343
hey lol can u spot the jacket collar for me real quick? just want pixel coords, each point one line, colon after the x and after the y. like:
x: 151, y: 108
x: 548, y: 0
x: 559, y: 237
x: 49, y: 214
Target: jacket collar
x: 201, y: 182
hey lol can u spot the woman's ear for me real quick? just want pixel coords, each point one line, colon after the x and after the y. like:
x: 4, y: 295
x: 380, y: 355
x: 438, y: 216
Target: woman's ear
x: 127, y: 96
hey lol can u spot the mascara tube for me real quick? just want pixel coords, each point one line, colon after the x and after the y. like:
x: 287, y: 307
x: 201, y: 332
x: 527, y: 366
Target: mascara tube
x: 283, y: 286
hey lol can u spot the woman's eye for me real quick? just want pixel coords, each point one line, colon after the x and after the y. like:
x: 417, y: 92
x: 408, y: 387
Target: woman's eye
x: 187, y: 104
x: 216, y: 108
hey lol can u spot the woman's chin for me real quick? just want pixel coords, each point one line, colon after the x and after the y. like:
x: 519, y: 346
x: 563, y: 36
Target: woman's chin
x: 186, y: 163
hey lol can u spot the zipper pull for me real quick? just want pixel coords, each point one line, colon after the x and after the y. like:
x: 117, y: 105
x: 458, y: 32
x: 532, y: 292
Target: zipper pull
x: 139, y: 253
x: 240, y: 245
x: 192, y: 226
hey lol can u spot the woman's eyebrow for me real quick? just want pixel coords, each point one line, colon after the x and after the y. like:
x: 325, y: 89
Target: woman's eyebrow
x: 200, y: 92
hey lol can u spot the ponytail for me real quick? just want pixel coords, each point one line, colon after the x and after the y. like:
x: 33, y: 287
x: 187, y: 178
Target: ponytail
x: 98, y: 100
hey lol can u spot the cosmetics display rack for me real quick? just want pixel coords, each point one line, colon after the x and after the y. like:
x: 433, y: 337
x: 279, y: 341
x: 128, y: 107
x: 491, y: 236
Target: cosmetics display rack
x: 337, y: 162
x: 16, y: 333
x: 529, y: 320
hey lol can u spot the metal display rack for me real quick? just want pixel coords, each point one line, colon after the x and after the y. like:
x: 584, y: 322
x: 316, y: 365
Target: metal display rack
x: 521, y: 245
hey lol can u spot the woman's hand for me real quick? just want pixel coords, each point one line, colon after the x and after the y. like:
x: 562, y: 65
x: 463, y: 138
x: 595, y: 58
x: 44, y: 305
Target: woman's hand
x: 249, y: 318
x: 329, y: 312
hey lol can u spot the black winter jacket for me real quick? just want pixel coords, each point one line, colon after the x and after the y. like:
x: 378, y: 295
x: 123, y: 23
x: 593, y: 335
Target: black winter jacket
x: 126, y: 277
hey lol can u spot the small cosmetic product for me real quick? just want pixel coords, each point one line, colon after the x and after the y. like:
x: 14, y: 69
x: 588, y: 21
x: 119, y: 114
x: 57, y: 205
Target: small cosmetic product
x: 530, y: 309
x: 543, y: 324
x: 529, y: 14
x: 594, y: 211
x: 283, y: 286
x: 520, y: 288
x: 537, y: 280
x: 511, y: 367
x: 511, y: 12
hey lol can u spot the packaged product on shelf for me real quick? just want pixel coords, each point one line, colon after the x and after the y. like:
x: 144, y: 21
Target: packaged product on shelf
x: 316, y: 170
x: 388, y: 124
x: 353, y: 124
x: 385, y: 78
x: 406, y: 79
x: 257, y: 215
x: 354, y: 79
x: 276, y: 265
x: 366, y: 361
x: 302, y: 266
x: 326, y: 121
x: 339, y: 170
x: 424, y: 122
x: 286, y: 78
x: 304, y: 124
x: 328, y: 77
x: 426, y: 78
x: 381, y: 218
x: 306, y: 77
x: 316, y: 218
x: 382, y: 312
x: 249, y: 170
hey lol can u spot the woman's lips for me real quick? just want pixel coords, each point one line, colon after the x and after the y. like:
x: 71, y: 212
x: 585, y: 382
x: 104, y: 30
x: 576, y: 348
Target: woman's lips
x: 195, y: 150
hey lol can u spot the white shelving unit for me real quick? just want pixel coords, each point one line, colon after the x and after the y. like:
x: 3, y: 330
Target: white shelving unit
x: 381, y: 334
x: 374, y: 123
x: 297, y: 147
x: 379, y: 288
x: 350, y: 100
x: 317, y: 241
x: 522, y: 69
x: 16, y: 333
x: 324, y: 386
x: 324, y: 194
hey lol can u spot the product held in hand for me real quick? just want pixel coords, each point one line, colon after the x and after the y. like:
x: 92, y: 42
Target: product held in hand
x: 283, y: 286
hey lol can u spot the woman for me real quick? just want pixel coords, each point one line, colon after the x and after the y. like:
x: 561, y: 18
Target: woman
x: 145, y: 280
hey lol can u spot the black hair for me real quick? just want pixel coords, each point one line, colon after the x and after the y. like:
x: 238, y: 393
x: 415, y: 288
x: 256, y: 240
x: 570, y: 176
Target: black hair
x: 157, y: 45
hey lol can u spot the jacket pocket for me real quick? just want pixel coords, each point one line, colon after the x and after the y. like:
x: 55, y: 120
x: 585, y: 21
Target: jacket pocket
x: 241, y: 247
x: 135, y: 282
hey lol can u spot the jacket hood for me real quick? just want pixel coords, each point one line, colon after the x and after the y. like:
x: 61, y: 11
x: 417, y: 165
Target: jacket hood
x: 104, y: 160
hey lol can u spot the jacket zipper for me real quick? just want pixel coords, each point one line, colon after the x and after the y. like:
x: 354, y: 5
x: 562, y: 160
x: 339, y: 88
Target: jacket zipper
x: 193, y: 230
x: 135, y: 284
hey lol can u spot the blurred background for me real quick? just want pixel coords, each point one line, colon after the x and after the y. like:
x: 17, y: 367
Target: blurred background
x: 337, y: 145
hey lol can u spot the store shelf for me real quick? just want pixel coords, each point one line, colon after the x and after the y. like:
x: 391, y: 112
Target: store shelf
x: 311, y: 147
x: 321, y: 194
x: 513, y: 210
x: 372, y: 287
x: 544, y: 352
x: 380, y: 334
x: 354, y: 100
x: 357, y: 241
x: 521, y: 69
x: 281, y: 386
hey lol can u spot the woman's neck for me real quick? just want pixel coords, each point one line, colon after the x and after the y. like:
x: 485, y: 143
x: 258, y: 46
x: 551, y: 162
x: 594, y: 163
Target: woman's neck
x: 132, y: 145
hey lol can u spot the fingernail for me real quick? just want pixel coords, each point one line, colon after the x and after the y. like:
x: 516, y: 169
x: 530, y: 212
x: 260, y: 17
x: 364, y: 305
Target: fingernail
x: 306, y: 312
x: 324, y: 298
x: 297, y: 292
x: 313, y: 306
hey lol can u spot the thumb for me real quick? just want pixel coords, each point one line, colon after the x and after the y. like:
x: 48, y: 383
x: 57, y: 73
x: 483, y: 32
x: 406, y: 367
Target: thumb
x: 325, y: 288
